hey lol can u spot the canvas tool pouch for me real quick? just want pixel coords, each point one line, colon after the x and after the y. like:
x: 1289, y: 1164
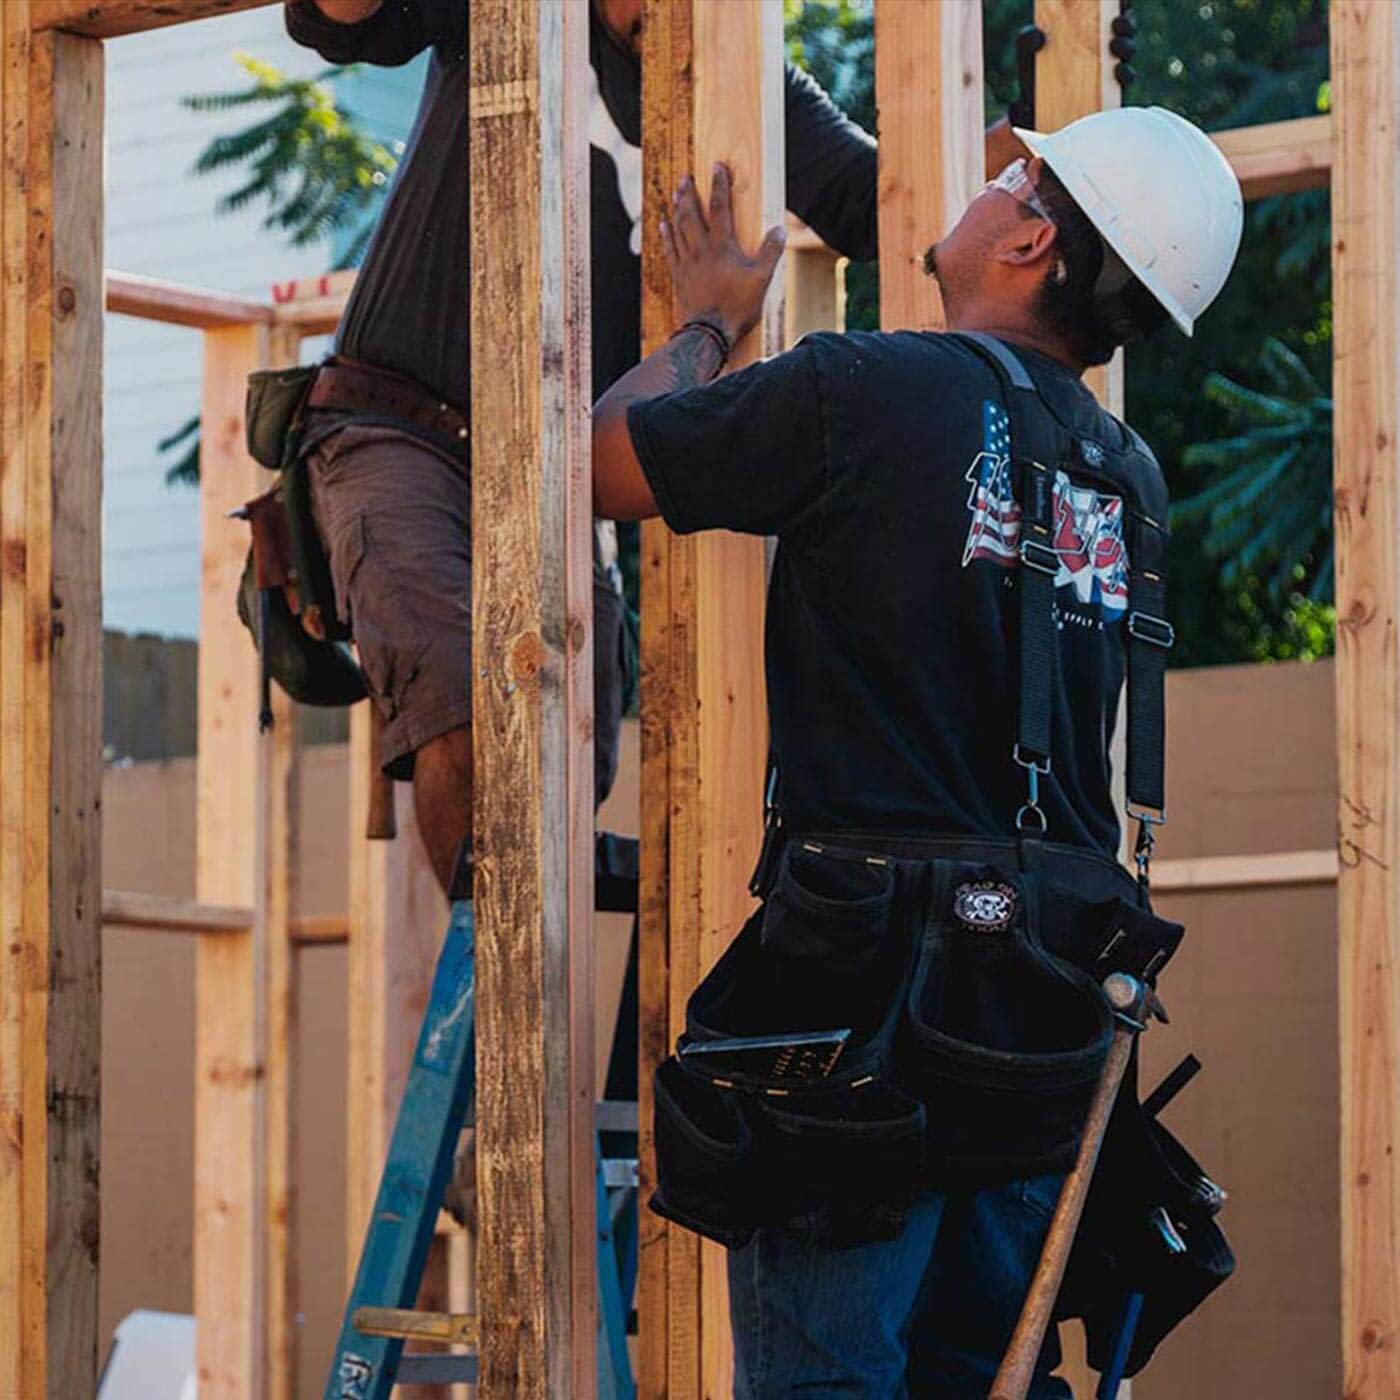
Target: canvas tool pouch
x: 838, y: 1155
x: 272, y: 410
x: 1149, y: 1227
x: 704, y: 1158
x: 1006, y: 1041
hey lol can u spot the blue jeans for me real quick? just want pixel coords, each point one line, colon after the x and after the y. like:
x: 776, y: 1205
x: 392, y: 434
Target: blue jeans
x: 922, y: 1317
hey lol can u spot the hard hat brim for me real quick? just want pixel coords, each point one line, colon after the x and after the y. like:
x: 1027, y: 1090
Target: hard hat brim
x: 1034, y: 141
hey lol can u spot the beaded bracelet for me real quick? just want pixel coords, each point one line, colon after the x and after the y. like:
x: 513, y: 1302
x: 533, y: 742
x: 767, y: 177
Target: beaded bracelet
x: 713, y: 331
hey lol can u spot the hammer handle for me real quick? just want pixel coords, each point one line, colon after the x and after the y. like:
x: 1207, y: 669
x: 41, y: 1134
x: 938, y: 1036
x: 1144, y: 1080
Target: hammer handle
x: 1018, y: 1365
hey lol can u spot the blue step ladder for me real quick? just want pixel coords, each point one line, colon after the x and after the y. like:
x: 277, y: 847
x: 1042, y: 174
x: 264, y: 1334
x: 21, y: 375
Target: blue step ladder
x: 369, y: 1358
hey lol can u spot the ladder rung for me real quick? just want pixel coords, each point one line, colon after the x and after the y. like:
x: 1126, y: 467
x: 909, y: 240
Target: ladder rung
x: 416, y: 1369
x: 619, y: 1171
x: 449, y: 1328
x: 616, y: 1116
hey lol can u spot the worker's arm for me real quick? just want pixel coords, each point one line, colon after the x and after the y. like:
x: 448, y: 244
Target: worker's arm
x: 832, y: 167
x: 715, y: 281
x: 384, y: 32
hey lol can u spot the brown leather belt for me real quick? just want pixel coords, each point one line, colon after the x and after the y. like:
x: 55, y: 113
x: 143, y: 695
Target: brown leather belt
x: 348, y: 386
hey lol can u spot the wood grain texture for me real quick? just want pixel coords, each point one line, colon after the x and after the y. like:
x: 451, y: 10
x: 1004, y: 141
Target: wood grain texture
x: 1074, y: 77
x: 50, y: 709
x: 532, y: 712
x: 172, y: 914
x: 151, y: 299
x: 69, y: 71
x: 928, y: 92
x: 1279, y: 157
x: 279, y: 865
x: 711, y: 90
x: 106, y: 19
x: 397, y: 915
x: 230, y: 971
x: 1365, y: 43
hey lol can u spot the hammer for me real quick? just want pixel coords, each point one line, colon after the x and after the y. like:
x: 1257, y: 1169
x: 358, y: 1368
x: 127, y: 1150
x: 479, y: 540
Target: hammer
x: 1129, y: 999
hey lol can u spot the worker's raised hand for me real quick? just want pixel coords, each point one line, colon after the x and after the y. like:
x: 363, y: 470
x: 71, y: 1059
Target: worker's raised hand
x: 713, y: 277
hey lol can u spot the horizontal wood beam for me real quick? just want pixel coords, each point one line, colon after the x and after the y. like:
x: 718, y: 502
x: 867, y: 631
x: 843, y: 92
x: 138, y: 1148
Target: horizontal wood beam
x: 328, y: 929
x: 107, y: 19
x: 1275, y: 870
x: 150, y: 299
x: 175, y: 914
x: 136, y: 909
x: 1279, y: 157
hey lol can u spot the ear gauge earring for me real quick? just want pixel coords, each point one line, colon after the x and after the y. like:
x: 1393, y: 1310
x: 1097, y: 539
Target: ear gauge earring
x: 1059, y: 273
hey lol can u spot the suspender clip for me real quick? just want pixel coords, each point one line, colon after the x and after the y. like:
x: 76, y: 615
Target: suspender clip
x: 1040, y: 557
x: 1031, y: 819
x: 1155, y: 631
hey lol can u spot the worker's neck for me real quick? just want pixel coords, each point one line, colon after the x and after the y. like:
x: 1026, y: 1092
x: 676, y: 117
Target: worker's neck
x: 1017, y: 332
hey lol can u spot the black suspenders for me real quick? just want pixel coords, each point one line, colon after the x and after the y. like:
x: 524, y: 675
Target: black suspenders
x: 1036, y: 449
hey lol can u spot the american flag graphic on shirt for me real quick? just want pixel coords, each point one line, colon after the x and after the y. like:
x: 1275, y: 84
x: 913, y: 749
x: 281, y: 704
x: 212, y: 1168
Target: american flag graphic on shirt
x: 1088, y: 538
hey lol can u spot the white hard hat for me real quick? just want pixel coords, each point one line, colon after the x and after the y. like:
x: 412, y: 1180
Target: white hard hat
x: 1159, y: 192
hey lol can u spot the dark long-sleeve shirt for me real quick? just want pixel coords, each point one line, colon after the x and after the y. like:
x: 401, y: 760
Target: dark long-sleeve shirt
x: 409, y: 310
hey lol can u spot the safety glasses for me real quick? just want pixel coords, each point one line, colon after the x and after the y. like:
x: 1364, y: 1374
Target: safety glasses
x: 1016, y: 180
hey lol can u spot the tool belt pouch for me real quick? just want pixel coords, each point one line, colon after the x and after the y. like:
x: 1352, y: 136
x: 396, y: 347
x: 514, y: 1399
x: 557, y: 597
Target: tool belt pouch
x: 1007, y: 1041
x: 296, y: 646
x: 1149, y: 1227
x: 272, y: 413
x: 1107, y: 936
x: 704, y: 1158
x: 837, y: 1153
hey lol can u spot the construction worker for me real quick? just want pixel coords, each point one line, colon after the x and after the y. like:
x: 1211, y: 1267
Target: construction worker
x: 883, y: 1080
x: 387, y: 431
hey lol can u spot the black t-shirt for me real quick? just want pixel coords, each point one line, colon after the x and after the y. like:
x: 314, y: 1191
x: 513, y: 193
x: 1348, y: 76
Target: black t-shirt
x: 410, y: 306
x: 410, y: 309
x: 879, y: 462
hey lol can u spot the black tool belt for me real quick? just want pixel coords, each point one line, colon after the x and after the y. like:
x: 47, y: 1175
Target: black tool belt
x: 968, y: 975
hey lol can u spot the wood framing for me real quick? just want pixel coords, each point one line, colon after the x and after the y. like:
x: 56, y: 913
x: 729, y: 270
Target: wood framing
x: 155, y: 300
x: 230, y: 971
x: 51, y: 95
x: 1279, y: 157
x: 1074, y: 77
x: 928, y: 89
x: 711, y: 90
x: 396, y: 922
x: 1365, y: 40
x: 107, y: 19
x: 532, y: 699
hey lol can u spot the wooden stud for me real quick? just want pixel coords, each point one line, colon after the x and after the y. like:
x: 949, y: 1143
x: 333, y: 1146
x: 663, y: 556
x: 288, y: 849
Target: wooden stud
x: 928, y: 86
x: 395, y: 928
x: 50, y: 708
x: 230, y: 971
x: 1074, y: 77
x: 1365, y: 43
x: 107, y: 19
x: 532, y: 692
x: 279, y: 862
x: 711, y: 90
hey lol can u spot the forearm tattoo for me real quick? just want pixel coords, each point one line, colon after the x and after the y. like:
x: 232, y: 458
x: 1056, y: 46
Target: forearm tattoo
x: 685, y: 361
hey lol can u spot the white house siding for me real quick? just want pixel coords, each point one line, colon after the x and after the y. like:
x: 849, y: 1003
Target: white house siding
x: 161, y: 223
